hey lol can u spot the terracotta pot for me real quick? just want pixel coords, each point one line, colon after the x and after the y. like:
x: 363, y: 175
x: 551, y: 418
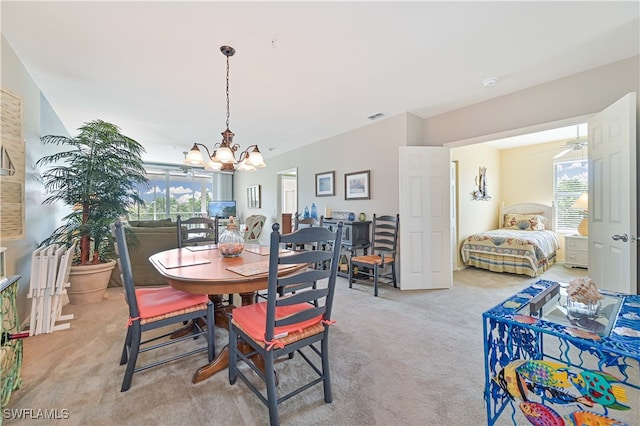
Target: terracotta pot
x: 89, y: 282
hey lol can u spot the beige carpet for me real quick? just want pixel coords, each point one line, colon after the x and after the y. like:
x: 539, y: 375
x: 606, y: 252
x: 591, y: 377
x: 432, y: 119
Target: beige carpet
x: 404, y: 358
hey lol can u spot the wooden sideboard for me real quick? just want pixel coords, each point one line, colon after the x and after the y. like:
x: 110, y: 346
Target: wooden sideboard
x: 356, y: 235
x: 286, y: 223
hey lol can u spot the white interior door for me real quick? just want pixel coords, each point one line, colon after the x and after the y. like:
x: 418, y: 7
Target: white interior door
x: 612, y: 197
x: 425, y: 218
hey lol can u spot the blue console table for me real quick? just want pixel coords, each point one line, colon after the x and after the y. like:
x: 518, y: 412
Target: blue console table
x: 544, y: 362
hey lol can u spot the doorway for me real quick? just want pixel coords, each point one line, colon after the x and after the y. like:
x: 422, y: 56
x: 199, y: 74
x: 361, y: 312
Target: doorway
x: 287, y: 193
x: 520, y: 168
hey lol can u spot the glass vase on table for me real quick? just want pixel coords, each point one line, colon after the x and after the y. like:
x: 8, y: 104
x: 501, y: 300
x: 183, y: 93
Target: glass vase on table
x: 231, y: 242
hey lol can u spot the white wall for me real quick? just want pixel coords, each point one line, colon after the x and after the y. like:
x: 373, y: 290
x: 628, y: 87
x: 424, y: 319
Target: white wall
x: 477, y: 216
x: 39, y: 119
x: 373, y: 147
x: 574, y: 96
x: 527, y: 173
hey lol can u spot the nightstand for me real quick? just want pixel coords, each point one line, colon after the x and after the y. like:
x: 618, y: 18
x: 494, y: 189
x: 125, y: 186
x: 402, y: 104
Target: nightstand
x: 576, y: 251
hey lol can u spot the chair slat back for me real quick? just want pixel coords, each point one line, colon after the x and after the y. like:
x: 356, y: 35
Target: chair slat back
x: 300, y: 287
x: 385, y: 233
x: 308, y: 222
x: 126, y: 272
x: 197, y: 230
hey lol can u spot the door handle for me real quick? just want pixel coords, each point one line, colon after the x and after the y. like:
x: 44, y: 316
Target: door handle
x: 624, y: 237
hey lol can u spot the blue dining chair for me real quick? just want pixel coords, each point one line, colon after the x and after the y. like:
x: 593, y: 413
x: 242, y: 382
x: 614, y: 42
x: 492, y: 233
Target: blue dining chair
x: 153, y: 308
x: 380, y: 265
x: 296, y: 317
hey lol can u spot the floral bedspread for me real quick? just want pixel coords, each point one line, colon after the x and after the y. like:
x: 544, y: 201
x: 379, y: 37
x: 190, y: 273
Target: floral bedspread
x: 535, y: 246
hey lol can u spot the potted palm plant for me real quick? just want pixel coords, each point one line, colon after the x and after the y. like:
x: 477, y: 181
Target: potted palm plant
x: 96, y: 175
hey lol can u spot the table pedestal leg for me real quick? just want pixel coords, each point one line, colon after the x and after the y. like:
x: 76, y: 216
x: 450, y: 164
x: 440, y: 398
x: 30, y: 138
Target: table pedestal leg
x: 221, y: 311
x: 221, y: 362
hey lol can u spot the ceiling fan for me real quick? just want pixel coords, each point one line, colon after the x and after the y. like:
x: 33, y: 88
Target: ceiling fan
x: 573, y: 145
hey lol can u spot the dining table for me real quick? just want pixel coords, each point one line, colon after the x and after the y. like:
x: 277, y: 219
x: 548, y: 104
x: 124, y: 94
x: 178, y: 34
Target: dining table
x: 203, y: 270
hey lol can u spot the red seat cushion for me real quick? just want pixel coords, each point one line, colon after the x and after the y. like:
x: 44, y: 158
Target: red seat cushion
x: 253, y: 320
x: 153, y: 302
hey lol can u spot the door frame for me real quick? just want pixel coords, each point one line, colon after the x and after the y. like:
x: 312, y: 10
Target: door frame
x: 454, y: 214
x: 280, y: 190
x: 522, y: 131
x: 571, y: 121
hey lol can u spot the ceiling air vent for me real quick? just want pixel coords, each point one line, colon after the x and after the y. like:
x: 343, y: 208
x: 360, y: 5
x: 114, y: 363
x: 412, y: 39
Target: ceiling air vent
x: 376, y: 116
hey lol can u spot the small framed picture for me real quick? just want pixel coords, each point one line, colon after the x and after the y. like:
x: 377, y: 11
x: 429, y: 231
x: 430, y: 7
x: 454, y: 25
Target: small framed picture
x: 356, y: 186
x: 253, y: 197
x: 325, y: 184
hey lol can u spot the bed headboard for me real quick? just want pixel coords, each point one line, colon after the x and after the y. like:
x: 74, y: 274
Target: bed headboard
x: 529, y: 208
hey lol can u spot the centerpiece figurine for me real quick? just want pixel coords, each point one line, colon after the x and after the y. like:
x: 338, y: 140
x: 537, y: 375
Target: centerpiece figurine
x: 583, y: 298
x: 231, y: 242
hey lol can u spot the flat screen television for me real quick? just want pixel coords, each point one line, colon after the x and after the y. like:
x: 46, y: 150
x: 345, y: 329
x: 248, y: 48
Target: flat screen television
x: 222, y: 209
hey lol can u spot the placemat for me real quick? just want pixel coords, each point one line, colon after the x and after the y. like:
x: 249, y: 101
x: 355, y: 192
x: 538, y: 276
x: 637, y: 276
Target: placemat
x: 262, y: 250
x: 202, y: 248
x: 182, y: 261
x: 257, y: 268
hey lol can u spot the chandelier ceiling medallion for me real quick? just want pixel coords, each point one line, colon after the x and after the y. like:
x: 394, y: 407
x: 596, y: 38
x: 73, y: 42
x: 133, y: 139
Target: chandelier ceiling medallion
x: 224, y: 153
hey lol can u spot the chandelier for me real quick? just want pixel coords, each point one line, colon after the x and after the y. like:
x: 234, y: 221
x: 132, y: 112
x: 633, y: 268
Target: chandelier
x: 224, y: 153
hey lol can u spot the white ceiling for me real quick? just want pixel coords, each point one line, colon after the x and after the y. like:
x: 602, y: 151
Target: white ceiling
x: 303, y: 71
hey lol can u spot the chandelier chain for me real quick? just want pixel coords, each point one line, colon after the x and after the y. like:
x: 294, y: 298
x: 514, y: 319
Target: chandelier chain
x: 224, y: 152
x: 227, y: 92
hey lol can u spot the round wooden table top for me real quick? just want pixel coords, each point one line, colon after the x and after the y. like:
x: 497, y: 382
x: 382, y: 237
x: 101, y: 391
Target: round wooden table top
x: 203, y: 270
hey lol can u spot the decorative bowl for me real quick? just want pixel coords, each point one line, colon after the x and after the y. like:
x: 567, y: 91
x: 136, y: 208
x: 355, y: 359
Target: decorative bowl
x: 231, y: 242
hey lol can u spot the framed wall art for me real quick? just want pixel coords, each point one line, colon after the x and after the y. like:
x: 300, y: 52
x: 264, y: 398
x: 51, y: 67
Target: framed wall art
x: 253, y: 197
x: 356, y: 186
x: 325, y: 184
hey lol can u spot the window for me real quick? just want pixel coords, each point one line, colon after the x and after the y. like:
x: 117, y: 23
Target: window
x: 172, y: 192
x: 570, y: 180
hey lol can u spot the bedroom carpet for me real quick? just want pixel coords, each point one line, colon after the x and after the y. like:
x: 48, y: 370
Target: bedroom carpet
x: 404, y: 358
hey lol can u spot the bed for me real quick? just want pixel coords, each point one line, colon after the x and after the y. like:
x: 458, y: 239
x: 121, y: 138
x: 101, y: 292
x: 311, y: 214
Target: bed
x: 525, y: 243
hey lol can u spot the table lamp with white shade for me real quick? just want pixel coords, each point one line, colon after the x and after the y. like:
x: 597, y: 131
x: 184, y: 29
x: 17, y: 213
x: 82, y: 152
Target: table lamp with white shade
x: 582, y: 203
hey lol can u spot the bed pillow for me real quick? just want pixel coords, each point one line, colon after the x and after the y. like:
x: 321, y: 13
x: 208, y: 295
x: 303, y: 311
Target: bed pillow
x: 524, y: 222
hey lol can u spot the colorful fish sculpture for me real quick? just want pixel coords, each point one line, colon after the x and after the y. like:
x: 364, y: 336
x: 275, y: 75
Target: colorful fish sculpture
x: 557, y: 396
x: 511, y: 382
x: 515, y: 385
x: 588, y: 418
x: 545, y: 373
x: 596, y: 385
x: 550, y: 380
x: 540, y: 415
